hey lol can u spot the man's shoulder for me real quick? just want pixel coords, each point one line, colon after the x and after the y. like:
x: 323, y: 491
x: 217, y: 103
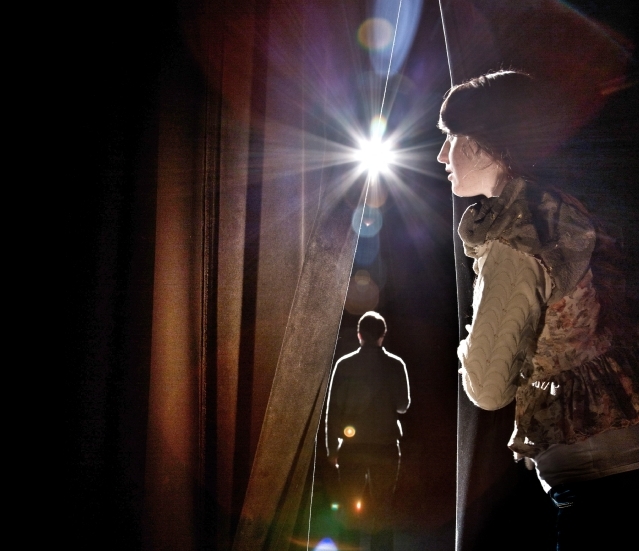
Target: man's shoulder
x: 347, y: 357
x: 393, y: 357
x: 357, y: 357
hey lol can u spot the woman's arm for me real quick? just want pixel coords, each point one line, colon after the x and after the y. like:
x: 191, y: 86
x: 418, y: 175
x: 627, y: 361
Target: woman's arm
x: 510, y: 290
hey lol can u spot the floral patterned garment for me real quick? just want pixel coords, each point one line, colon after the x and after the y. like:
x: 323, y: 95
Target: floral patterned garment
x: 579, y: 386
x: 574, y: 383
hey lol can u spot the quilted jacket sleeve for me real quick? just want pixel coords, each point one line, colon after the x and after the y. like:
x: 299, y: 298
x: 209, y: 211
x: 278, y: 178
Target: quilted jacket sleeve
x: 510, y: 292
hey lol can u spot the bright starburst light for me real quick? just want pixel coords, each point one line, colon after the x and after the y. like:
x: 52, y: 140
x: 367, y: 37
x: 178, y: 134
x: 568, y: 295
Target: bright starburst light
x: 356, y: 134
x: 375, y: 156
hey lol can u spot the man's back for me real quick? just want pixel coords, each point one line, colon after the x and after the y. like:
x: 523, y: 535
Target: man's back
x: 369, y: 387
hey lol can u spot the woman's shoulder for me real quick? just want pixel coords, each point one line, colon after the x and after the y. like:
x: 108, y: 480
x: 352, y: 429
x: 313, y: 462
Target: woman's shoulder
x: 542, y: 222
x: 524, y: 211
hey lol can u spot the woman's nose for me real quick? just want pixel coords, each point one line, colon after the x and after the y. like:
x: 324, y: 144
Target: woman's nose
x: 443, y: 152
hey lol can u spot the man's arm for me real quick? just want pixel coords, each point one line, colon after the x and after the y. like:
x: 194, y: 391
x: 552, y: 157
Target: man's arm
x: 333, y: 414
x: 400, y: 383
x: 404, y: 397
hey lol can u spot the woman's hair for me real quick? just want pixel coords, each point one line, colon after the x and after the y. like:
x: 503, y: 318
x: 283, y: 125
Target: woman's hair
x: 509, y: 115
x: 502, y: 112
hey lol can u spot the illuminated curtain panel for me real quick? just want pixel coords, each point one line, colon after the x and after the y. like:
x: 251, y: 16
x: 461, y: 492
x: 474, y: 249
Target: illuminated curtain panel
x: 306, y: 251
x: 241, y: 169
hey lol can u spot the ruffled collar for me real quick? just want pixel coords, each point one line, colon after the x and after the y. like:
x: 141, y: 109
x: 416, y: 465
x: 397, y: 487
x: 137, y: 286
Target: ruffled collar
x: 493, y: 216
x: 550, y: 225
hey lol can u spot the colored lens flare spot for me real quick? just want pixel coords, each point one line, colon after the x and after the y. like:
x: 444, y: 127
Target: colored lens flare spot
x: 375, y: 33
x: 371, y: 221
x: 377, y: 195
x: 363, y: 294
x: 327, y: 544
x: 378, y: 126
x: 349, y: 432
x: 362, y: 278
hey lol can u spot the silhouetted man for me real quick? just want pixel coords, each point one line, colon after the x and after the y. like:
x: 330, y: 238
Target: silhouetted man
x: 368, y: 389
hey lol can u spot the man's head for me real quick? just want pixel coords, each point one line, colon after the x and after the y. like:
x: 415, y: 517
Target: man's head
x: 371, y: 328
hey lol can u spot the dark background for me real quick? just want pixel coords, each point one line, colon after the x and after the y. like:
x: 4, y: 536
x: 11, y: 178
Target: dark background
x: 111, y: 65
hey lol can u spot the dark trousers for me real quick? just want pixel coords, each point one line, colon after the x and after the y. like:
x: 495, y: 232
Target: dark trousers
x: 368, y: 474
x: 601, y: 514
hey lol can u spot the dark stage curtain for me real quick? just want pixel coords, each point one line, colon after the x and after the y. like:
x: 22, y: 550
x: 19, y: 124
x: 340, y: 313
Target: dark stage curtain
x: 205, y: 321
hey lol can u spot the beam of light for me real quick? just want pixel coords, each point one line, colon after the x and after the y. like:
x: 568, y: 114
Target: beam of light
x: 390, y: 60
x: 378, y: 40
x: 375, y: 156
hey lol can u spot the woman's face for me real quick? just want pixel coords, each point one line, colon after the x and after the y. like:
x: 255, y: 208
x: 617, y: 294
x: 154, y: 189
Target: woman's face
x: 471, y: 170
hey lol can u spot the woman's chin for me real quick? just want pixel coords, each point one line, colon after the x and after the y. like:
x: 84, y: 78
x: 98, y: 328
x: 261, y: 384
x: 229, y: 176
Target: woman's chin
x: 465, y: 191
x: 459, y: 192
